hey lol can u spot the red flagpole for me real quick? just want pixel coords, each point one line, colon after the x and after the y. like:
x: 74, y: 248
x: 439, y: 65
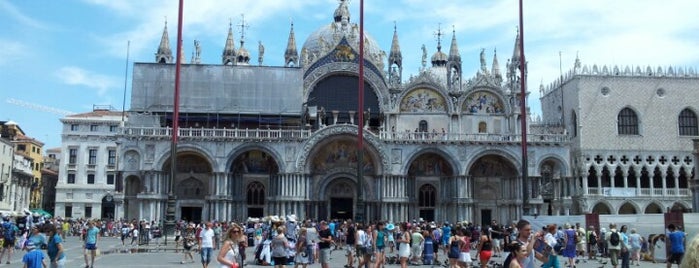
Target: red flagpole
x: 523, y: 111
x: 359, y: 215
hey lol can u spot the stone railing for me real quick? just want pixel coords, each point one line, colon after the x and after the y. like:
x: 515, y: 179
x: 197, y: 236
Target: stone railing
x: 636, y: 192
x: 299, y: 134
x: 214, y: 133
x: 480, y: 137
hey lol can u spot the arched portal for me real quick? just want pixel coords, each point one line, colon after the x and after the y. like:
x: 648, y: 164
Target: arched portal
x: 341, y: 193
x: 131, y: 202
x: 192, y: 184
x: 253, y: 170
x: 494, y: 178
x: 425, y: 173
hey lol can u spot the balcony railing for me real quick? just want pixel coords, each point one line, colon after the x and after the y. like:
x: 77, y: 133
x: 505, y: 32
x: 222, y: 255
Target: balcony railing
x: 475, y: 137
x: 297, y: 134
x: 244, y: 134
x: 636, y: 192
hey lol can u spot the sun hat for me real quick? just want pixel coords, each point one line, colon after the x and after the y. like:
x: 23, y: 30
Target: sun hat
x: 390, y: 227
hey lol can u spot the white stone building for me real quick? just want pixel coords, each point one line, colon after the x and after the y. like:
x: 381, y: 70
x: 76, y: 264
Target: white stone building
x: 7, y: 153
x: 19, y: 190
x: 88, y: 170
x: 631, y: 132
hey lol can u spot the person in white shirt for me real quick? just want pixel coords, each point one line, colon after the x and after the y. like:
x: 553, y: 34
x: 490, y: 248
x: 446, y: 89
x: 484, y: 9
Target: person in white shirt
x: 206, y: 244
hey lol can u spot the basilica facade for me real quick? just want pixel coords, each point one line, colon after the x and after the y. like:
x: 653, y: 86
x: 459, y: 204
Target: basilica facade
x: 277, y: 140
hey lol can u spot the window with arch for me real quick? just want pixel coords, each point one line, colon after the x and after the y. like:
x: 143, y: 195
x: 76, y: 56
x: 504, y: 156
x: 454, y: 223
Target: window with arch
x: 427, y: 196
x: 482, y: 127
x: 256, y: 194
x: 687, y: 123
x: 423, y: 126
x: 627, y: 122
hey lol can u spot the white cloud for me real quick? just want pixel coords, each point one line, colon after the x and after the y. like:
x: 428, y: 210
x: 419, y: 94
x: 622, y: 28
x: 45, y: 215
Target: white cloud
x: 11, y: 51
x: 77, y: 76
x: 7, y: 8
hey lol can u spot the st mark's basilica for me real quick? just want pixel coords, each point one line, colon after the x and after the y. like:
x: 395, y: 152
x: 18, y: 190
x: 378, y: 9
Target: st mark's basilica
x: 277, y: 140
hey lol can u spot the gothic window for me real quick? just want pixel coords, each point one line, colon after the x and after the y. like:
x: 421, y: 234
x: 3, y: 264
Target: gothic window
x: 683, y: 179
x: 427, y: 196
x: 645, y: 179
x: 256, y: 194
x: 687, y: 122
x: 670, y: 178
x: 606, y: 177
x: 482, y: 127
x: 618, y: 178
x: 592, y: 177
x: 657, y: 178
x: 627, y: 122
x: 631, y: 178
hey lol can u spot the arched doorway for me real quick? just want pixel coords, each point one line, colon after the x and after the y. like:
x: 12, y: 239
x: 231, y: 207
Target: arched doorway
x: 341, y: 194
x: 108, y: 207
x: 191, y: 184
x: 427, y: 200
x: 426, y: 173
x: 627, y: 208
x: 494, y: 180
x: 653, y: 208
x: 255, y: 199
x: 131, y: 202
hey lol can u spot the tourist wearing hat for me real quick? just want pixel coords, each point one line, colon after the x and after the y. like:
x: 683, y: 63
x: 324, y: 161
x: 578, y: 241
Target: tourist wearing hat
x: 33, y: 258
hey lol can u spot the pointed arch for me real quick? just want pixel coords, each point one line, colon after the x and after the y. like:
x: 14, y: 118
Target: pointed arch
x: 653, y: 208
x: 602, y: 208
x: 628, y: 208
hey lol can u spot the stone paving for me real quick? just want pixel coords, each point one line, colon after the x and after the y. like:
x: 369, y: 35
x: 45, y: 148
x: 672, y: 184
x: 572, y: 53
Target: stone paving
x: 116, y: 255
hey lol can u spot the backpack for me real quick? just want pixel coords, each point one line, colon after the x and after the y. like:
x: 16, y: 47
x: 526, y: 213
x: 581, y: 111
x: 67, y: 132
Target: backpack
x: 9, y: 232
x: 614, y: 239
x: 593, y: 239
x: 560, y: 242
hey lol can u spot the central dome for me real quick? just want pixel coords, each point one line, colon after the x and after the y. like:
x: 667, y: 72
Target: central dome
x: 326, y: 38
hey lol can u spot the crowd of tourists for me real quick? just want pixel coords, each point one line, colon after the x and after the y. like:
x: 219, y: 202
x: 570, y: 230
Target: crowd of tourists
x: 285, y: 241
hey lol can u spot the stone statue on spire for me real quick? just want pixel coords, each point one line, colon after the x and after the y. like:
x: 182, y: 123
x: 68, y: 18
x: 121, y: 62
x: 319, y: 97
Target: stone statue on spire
x: 261, y: 52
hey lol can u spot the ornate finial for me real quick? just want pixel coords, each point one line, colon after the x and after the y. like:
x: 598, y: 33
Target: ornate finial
x: 243, y: 26
x: 395, y: 26
x: 438, y: 34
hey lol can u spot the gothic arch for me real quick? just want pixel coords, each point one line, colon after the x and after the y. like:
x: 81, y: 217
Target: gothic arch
x: 628, y: 208
x: 134, y: 186
x: 449, y: 159
x: 194, y: 160
x: 323, y: 187
x: 653, y: 208
x: 602, y: 207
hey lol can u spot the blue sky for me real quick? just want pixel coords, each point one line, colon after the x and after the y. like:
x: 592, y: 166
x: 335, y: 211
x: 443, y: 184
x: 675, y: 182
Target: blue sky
x: 69, y: 55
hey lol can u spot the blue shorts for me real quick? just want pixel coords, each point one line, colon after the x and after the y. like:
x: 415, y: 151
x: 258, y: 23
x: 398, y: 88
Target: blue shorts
x: 91, y: 246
